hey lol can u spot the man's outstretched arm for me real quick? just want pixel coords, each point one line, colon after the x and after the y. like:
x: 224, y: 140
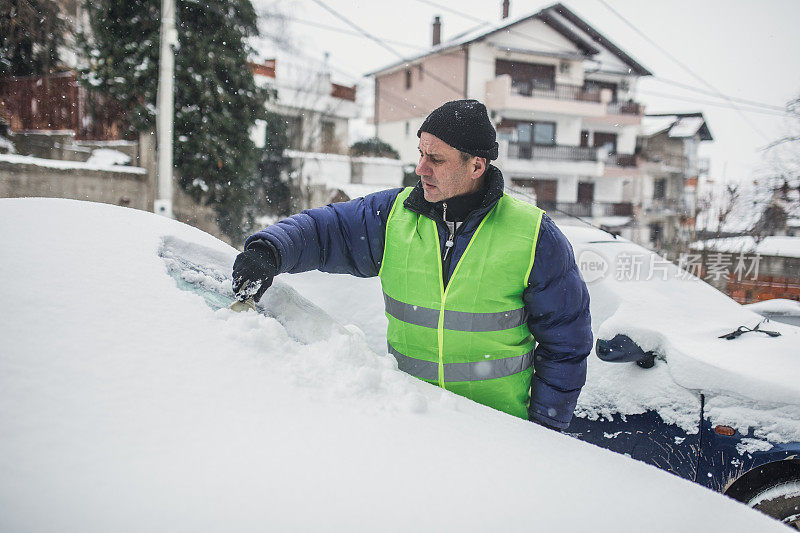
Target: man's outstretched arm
x: 345, y: 237
x: 558, y: 302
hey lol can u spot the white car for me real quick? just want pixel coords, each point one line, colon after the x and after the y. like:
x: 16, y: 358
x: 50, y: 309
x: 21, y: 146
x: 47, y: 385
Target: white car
x: 132, y: 399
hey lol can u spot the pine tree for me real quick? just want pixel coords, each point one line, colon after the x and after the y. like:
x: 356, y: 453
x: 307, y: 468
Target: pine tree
x: 216, y: 98
x: 30, y: 33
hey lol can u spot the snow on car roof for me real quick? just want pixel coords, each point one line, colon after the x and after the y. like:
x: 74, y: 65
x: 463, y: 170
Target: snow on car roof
x: 776, y: 245
x: 667, y: 310
x: 778, y: 306
x: 127, y: 403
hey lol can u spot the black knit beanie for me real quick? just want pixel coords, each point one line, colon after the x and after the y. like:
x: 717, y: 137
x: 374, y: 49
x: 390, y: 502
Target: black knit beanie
x: 464, y: 125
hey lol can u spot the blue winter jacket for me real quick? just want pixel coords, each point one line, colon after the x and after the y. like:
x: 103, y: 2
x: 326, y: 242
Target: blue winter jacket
x: 348, y: 237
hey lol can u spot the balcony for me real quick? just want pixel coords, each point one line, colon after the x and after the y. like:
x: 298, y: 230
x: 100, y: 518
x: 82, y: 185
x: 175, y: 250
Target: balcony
x: 525, y: 159
x: 621, y: 160
x: 539, y: 96
x: 585, y: 209
x: 556, y: 99
x: 555, y: 91
x: 665, y: 206
x: 667, y: 162
x: 624, y: 108
x: 519, y: 150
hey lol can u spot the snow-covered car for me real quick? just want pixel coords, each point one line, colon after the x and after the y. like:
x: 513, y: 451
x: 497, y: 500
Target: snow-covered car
x: 697, y: 394
x: 723, y: 413
x: 133, y: 399
x: 778, y: 309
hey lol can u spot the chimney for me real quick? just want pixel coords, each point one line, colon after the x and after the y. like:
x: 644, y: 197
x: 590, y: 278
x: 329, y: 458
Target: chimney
x: 505, y: 9
x: 437, y: 30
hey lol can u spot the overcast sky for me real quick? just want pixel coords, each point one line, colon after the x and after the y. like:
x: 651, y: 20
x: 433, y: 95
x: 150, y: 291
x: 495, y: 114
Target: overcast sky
x: 744, y: 49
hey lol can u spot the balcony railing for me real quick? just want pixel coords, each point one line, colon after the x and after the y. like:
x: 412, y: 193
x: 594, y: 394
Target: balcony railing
x: 669, y: 160
x: 588, y: 209
x: 621, y: 160
x: 666, y: 205
x: 519, y: 150
x: 623, y: 108
x: 556, y: 91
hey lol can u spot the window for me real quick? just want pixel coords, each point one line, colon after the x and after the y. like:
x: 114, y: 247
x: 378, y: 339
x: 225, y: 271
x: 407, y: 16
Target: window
x: 659, y: 189
x: 527, y: 77
x: 655, y: 233
x: 523, y: 136
x: 408, y: 78
x: 606, y: 140
x: 584, y: 139
x: 330, y: 145
x: 294, y: 132
x: 592, y: 86
x: 408, y: 128
x: 544, y: 133
x: 585, y: 192
x: 545, y: 190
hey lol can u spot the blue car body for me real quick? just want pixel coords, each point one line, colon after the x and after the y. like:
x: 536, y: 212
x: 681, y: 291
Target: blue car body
x: 705, y: 457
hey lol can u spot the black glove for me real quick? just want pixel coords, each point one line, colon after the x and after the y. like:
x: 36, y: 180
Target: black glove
x: 253, y: 271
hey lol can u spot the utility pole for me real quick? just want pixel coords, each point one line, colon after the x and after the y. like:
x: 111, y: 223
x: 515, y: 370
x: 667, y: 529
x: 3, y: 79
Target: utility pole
x: 165, y: 108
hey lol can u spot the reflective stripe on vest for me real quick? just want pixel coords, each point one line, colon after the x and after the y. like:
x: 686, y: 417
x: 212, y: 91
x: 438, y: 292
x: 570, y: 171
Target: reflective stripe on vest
x: 480, y: 370
x: 455, y: 320
x: 472, y: 336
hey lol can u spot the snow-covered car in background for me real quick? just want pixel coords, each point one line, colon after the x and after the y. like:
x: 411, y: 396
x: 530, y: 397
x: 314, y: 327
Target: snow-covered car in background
x: 691, y: 396
x: 778, y: 309
x: 132, y: 399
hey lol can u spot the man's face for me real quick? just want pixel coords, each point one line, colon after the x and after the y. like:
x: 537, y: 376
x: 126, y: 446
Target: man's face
x: 442, y: 171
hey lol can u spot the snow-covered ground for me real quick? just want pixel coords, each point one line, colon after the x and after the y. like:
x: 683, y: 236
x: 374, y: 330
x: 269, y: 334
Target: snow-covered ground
x: 128, y: 404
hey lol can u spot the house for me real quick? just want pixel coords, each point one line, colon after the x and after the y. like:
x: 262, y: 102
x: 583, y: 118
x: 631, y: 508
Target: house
x: 562, y: 97
x: 316, y: 112
x: 751, y: 269
x: 671, y: 170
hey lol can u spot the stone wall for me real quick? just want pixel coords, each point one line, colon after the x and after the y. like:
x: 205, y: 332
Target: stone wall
x: 130, y: 188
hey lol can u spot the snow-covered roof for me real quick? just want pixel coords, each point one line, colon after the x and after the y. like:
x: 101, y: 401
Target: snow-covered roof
x: 686, y: 127
x: 780, y: 246
x: 676, y: 126
x: 557, y: 16
x: 138, y: 404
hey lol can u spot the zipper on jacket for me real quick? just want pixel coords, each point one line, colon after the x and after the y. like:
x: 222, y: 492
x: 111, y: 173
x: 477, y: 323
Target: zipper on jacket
x: 451, y: 234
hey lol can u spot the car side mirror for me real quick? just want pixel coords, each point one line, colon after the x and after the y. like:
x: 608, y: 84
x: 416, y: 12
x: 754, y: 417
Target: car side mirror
x: 622, y: 349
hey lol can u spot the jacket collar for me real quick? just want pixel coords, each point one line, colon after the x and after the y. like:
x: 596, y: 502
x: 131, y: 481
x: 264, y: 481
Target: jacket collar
x: 417, y: 203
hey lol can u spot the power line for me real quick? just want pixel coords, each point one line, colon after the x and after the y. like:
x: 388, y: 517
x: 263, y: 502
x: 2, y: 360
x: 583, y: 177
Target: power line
x: 717, y: 104
x: 383, y: 44
x: 683, y: 66
x: 709, y: 93
x: 347, y: 32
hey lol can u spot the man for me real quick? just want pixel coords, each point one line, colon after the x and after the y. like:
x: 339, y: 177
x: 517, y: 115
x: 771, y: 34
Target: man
x: 472, y: 278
